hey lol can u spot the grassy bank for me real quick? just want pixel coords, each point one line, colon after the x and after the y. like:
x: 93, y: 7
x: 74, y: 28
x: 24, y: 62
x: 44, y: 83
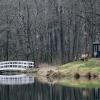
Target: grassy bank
x: 81, y: 67
x: 68, y: 71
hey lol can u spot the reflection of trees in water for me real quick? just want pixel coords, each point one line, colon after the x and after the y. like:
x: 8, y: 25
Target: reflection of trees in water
x: 40, y: 91
x: 97, y: 94
x: 86, y: 93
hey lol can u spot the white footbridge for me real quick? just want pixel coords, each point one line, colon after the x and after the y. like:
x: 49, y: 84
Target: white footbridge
x: 16, y: 79
x: 16, y: 65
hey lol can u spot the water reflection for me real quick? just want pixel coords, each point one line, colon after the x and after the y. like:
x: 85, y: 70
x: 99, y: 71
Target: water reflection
x: 43, y: 91
x: 16, y: 79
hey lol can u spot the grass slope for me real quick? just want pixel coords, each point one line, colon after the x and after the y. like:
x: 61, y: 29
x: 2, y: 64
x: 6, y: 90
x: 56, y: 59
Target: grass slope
x: 92, y: 66
x: 69, y: 70
x: 81, y: 67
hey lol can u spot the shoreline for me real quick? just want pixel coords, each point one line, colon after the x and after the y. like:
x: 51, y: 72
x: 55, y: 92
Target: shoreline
x: 88, y: 69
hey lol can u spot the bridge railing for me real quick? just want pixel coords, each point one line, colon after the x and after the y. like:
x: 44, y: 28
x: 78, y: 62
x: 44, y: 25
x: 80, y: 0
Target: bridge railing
x: 16, y: 64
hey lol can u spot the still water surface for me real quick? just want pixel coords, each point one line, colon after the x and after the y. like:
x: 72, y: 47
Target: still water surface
x: 19, y: 89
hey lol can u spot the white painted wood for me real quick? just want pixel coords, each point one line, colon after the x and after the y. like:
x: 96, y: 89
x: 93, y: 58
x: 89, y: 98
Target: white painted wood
x: 16, y: 65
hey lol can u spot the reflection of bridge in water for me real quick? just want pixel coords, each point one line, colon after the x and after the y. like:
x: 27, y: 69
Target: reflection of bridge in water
x: 16, y: 65
x: 16, y: 79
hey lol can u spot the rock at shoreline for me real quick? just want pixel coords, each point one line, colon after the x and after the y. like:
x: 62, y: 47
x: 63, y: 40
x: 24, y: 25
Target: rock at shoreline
x: 54, y: 75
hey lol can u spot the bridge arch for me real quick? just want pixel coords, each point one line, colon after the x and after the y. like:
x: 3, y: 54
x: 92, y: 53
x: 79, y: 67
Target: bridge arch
x: 16, y: 65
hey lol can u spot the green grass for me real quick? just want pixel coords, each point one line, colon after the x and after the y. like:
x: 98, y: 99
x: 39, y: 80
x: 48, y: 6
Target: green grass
x: 82, y: 67
x: 91, y: 63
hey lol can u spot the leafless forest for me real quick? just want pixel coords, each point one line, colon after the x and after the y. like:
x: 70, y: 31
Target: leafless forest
x: 48, y: 31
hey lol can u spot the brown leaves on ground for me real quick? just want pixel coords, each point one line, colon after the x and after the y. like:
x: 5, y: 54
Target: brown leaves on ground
x: 54, y: 75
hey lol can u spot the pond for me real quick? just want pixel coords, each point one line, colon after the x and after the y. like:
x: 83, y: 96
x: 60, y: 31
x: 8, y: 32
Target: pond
x: 26, y: 87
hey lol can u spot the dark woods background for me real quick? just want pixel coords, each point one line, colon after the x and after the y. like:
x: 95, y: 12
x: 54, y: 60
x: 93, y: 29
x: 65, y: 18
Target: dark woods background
x: 50, y: 31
